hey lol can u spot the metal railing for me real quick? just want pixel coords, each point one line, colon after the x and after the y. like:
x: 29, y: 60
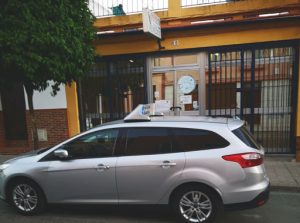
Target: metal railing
x: 106, y: 8
x: 258, y: 85
x: 191, y: 3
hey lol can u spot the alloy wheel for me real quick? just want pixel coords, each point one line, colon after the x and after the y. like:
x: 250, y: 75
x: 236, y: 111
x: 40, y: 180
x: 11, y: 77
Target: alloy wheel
x: 25, y: 197
x: 195, y: 206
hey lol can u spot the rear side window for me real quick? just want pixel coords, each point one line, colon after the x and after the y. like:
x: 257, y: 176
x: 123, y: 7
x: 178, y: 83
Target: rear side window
x: 187, y: 140
x: 247, y: 138
x: 147, y: 141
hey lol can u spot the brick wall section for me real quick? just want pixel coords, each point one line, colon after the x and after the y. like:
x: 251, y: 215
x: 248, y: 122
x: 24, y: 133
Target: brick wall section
x: 2, y: 132
x: 54, y: 121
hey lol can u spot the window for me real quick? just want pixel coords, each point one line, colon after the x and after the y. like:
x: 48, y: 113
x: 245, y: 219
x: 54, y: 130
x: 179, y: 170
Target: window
x: 164, y: 61
x: 246, y: 137
x: 147, y: 141
x: 185, y: 59
x: 163, y: 86
x: 194, y: 139
x: 95, y: 145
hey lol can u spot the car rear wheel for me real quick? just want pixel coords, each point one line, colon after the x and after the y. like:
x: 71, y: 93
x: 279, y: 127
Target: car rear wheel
x: 26, y: 197
x: 195, y: 204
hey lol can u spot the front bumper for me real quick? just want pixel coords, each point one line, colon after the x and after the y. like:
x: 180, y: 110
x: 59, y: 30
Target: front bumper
x: 2, y: 191
x: 259, y: 200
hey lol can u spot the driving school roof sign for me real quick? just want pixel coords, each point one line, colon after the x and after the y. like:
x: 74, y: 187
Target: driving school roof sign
x: 151, y: 23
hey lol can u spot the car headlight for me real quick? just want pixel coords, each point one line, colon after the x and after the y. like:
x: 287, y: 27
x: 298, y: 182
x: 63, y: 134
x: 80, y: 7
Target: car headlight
x: 4, y: 166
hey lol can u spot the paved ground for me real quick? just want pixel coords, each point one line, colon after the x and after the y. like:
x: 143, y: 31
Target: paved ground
x: 283, y: 172
x: 5, y: 157
x: 282, y: 207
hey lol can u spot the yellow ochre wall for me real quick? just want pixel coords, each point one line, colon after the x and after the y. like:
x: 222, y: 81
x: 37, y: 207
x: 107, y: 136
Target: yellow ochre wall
x: 298, y: 118
x: 175, y: 12
x: 298, y: 103
x: 72, y: 109
x: 200, y: 38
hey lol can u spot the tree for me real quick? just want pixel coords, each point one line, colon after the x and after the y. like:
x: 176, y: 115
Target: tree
x: 42, y: 41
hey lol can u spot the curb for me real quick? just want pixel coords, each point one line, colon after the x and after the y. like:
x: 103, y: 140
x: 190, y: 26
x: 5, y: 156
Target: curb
x: 285, y: 188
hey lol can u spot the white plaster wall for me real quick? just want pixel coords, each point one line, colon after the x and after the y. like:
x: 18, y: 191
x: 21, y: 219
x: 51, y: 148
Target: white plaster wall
x: 44, y: 99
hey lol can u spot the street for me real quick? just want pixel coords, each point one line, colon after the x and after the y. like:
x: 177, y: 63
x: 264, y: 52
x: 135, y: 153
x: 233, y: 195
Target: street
x: 282, y: 207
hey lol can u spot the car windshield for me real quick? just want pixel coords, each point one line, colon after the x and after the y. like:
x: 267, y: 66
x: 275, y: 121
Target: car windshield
x: 40, y: 151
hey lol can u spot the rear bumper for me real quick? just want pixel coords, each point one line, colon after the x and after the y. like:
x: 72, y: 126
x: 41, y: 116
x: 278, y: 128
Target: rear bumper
x: 259, y: 200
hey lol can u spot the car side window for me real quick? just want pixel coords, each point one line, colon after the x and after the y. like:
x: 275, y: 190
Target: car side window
x: 95, y: 145
x: 186, y: 140
x: 147, y: 141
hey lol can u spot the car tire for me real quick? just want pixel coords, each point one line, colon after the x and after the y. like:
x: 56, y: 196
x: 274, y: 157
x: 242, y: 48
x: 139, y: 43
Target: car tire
x: 27, y: 197
x: 196, y: 204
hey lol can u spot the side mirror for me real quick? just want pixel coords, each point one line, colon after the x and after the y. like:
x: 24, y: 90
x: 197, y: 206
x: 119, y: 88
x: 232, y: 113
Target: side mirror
x: 61, y: 153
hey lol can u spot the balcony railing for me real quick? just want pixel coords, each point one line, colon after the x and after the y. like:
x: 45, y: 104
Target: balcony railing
x: 105, y: 8
x: 191, y: 3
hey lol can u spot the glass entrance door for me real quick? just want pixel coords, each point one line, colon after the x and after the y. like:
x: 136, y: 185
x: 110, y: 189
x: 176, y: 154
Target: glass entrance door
x: 163, y: 87
x: 187, y: 90
x: 176, y: 81
x: 178, y: 88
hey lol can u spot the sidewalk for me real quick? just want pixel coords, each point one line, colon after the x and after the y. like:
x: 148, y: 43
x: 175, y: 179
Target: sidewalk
x: 283, y: 172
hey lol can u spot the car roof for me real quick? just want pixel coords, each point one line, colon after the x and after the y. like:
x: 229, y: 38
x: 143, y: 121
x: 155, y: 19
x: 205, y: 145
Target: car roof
x: 208, y: 119
x: 147, y: 113
x: 232, y: 123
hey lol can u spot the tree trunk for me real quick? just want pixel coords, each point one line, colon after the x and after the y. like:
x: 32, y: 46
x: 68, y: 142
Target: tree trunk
x: 29, y: 91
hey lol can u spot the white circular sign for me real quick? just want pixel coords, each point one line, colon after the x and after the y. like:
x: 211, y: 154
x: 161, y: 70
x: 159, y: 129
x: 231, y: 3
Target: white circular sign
x: 186, y: 84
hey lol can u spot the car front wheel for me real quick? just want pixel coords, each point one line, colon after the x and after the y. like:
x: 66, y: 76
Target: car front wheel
x: 26, y: 197
x: 195, y: 204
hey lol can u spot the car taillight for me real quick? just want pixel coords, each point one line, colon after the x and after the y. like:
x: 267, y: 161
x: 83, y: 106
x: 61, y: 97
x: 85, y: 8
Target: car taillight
x: 245, y: 159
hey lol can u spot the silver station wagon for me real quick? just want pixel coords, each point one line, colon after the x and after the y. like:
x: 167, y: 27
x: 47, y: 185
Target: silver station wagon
x: 197, y: 165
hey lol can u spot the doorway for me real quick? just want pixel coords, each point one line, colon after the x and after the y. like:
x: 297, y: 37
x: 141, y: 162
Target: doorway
x: 179, y: 81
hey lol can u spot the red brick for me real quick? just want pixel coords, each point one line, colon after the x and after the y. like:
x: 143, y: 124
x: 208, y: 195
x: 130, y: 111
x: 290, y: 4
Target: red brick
x: 53, y: 120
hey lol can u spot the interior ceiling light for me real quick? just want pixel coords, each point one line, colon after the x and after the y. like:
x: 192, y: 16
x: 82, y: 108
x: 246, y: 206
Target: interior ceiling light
x: 273, y: 14
x: 207, y: 21
x: 103, y: 32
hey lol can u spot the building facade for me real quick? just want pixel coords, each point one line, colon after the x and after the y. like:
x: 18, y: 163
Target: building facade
x: 216, y: 57
x: 241, y: 57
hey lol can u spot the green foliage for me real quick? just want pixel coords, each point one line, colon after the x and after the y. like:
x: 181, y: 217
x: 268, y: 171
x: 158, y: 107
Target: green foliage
x: 42, y: 40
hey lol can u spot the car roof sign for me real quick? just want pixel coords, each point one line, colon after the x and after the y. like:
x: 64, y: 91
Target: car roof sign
x: 141, y: 113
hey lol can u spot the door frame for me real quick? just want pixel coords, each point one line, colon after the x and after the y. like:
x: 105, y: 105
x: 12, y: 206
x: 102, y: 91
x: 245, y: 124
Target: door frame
x: 199, y: 66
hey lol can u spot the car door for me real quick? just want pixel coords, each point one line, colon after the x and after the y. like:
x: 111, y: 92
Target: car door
x: 147, y: 168
x: 88, y: 174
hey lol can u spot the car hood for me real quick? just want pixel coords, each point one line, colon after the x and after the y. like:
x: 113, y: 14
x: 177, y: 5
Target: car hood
x: 26, y: 155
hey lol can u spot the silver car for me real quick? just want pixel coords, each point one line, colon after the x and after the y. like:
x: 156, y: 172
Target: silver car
x: 197, y: 165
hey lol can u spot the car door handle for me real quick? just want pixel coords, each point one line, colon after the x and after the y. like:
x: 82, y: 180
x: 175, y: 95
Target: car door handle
x: 102, y: 167
x: 167, y: 164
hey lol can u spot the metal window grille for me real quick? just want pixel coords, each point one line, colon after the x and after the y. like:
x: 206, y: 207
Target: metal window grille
x: 257, y: 85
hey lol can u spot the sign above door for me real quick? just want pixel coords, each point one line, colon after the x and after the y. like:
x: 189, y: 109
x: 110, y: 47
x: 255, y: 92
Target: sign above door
x: 151, y: 23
